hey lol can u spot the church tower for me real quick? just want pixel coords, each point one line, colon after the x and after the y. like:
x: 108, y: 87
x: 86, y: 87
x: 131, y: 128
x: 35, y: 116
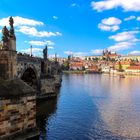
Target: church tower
x: 8, y: 54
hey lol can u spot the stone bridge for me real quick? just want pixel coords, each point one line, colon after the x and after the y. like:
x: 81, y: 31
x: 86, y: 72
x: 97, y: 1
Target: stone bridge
x: 40, y: 73
x: 23, y: 78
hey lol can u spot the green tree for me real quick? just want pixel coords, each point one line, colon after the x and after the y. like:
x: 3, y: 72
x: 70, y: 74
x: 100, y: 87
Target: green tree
x: 65, y: 65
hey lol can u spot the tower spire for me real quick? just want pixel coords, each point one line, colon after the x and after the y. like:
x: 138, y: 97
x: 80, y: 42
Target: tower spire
x: 55, y: 57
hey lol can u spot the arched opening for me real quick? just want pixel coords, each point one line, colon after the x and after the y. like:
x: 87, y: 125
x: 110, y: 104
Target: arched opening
x: 42, y: 66
x: 30, y: 78
x: 49, y: 71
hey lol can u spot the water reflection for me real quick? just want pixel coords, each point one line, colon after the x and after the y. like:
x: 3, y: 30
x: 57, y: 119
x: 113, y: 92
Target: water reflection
x: 45, y: 110
x: 92, y: 107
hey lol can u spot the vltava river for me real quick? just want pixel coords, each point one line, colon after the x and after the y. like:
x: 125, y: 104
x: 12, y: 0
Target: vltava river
x: 92, y: 107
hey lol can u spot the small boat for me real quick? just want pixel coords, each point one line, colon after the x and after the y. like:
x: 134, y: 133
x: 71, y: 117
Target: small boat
x: 122, y: 76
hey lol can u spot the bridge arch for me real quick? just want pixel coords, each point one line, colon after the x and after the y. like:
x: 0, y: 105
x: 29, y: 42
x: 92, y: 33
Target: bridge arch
x: 29, y: 76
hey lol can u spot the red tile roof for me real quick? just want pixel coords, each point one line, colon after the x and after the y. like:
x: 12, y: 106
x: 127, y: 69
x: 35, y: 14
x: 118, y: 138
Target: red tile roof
x: 134, y: 68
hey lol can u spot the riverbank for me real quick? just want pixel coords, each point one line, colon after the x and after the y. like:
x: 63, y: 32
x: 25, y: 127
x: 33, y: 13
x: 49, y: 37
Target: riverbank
x: 124, y: 73
x: 74, y: 72
x: 115, y: 73
x: 80, y: 72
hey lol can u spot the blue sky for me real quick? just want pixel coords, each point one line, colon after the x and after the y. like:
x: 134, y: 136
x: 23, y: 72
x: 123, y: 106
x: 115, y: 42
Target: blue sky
x: 79, y: 27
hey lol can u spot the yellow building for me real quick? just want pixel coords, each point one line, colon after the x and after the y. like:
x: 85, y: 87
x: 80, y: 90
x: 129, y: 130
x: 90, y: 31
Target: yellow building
x: 130, y: 57
x: 123, y: 65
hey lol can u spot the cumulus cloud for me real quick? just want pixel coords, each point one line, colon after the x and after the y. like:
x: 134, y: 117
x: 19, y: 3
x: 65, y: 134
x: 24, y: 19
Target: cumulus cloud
x: 41, y: 43
x: 111, y: 21
x: 20, y: 21
x: 97, y: 51
x: 110, y: 24
x: 125, y: 36
x: 126, y: 5
x: 121, y: 46
x: 134, y: 52
x: 108, y: 28
x: 28, y: 27
x: 124, y: 40
x: 32, y: 31
x: 129, y: 18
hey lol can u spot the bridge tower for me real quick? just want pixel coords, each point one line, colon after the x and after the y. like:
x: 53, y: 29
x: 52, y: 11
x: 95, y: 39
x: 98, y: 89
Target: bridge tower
x: 8, y: 54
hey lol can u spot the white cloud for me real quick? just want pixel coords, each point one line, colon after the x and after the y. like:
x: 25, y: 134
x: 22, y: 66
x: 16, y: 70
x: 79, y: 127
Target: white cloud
x: 27, y: 26
x: 121, y: 46
x: 110, y: 24
x: 97, y: 51
x: 129, y: 18
x: 41, y: 43
x: 35, y: 51
x: 20, y: 21
x: 55, y: 17
x: 50, y: 47
x: 125, y: 36
x: 125, y: 40
x: 108, y: 28
x: 68, y: 52
x: 134, y: 52
x: 75, y: 53
x: 126, y: 5
x: 32, y: 31
x: 111, y: 21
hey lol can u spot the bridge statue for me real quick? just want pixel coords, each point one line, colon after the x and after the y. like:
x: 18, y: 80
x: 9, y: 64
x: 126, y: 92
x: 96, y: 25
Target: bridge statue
x: 5, y: 37
x: 45, y: 52
x: 11, y: 32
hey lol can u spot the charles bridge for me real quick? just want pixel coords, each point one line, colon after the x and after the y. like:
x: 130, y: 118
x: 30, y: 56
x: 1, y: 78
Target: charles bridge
x: 23, y: 79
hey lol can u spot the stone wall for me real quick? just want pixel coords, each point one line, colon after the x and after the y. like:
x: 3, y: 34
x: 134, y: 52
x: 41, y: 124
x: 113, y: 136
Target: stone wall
x: 17, y: 115
x: 17, y: 110
x: 8, y: 64
x: 58, y: 80
x: 47, y: 87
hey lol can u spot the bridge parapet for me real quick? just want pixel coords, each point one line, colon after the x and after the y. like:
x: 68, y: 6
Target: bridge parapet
x: 22, y: 57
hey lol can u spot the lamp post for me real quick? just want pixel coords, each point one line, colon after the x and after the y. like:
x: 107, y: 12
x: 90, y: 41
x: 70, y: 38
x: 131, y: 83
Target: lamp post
x: 31, y: 51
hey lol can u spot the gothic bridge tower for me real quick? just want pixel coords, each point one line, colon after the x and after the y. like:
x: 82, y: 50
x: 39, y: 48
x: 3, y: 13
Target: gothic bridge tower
x: 8, y: 54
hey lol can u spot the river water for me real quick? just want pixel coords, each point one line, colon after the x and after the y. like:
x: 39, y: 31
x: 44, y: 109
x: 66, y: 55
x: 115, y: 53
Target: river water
x: 92, y: 107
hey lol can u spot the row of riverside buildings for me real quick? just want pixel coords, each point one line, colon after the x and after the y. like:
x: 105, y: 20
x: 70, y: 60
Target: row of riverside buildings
x: 108, y: 62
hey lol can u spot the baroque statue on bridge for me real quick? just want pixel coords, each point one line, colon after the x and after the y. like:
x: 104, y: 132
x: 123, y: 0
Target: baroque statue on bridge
x: 11, y: 32
x: 45, y: 52
x: 5, y: 37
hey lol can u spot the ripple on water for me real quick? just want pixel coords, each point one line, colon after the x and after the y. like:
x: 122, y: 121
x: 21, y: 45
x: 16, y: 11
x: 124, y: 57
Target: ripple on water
x: 95, y: 107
